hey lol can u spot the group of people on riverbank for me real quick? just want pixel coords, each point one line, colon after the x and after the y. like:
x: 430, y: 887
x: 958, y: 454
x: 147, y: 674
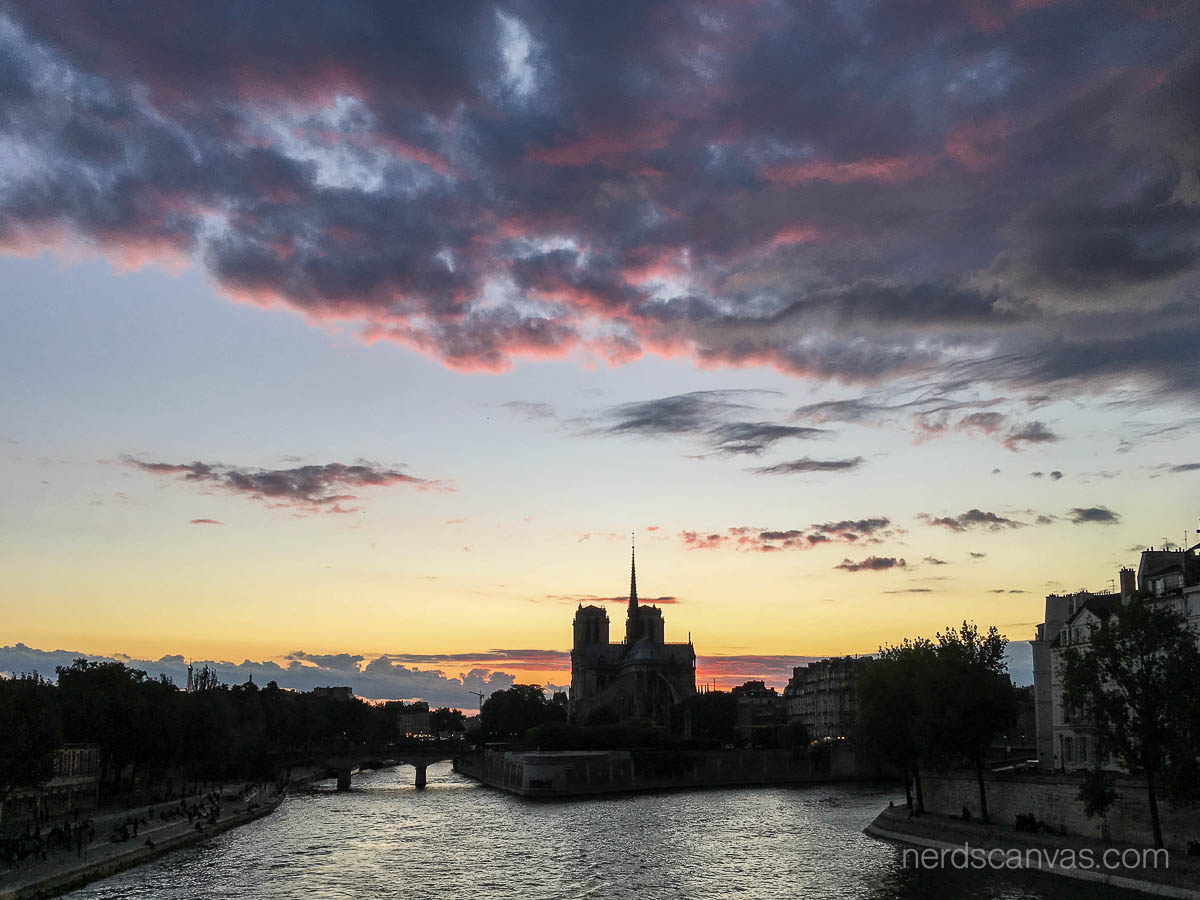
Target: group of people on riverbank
x: 40, y: 840
x: 37, y: 842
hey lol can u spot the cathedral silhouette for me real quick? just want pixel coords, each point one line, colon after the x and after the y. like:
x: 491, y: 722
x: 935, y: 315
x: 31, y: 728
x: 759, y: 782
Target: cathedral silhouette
x: 643, y: 677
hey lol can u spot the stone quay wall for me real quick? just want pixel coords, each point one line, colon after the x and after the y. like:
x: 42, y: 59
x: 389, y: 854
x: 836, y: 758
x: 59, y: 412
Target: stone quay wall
x: 579, y: 773
x: 1054, y: 799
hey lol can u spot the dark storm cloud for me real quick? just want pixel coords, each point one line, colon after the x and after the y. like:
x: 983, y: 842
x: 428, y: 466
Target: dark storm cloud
x: 848, y: 531
x: 1184, y: 467
x: 686, y: 414
x: 1004, y: 193
x: 1096, y: 515
x: 306, y: 488
x: 807, y: 465
x: 872, y: 564
x: 1032, y: 433
x: 755, y: 437
x: 972, y: 519
x: 855, y: 529
x: 703, y: 415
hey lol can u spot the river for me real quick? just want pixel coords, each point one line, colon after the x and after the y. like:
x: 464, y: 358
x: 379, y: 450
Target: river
x: 460, y: 840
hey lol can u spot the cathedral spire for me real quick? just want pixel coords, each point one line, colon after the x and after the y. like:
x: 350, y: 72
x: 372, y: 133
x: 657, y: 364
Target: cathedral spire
x: 633, y: 600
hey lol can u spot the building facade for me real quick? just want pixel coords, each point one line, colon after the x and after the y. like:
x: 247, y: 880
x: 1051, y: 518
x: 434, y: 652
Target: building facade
x: 1064, y: 741
x: 822, y: 695
x: 642, y: 677
x: 760, y: 710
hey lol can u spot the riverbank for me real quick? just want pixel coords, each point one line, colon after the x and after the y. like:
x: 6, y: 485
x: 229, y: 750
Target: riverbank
x: 66, y: 870
x: 938, y: 841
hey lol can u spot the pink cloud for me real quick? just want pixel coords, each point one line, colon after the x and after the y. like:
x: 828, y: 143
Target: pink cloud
x: 857, y: 531
x: 977, y: 145
x: 592, y: 598
x: 795, y: 234
x: 606, y: 147
x: 888, y: 170
x: 695, y: 541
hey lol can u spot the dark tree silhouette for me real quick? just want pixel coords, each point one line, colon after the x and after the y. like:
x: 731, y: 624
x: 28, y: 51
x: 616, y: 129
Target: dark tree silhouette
x: 507, y: 715
x: 30, y: 730
x: 1135, y: 682
x: 714, y: 716
x: 447, y: 720
x: 890, y: 725
x: 968, y: 699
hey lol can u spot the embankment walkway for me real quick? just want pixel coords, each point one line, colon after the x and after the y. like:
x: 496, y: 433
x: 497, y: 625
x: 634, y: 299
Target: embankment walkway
x: 1176, y: 875
x: 64, y: 870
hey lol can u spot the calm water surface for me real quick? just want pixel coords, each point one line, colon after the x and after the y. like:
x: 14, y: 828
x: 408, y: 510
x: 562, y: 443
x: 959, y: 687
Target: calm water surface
x: 457, y: 839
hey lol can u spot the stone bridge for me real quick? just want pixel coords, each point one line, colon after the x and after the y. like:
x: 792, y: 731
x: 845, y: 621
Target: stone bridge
x: 420, y: 755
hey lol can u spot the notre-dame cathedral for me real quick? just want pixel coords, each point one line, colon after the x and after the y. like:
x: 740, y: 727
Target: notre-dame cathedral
x: 643, y: 677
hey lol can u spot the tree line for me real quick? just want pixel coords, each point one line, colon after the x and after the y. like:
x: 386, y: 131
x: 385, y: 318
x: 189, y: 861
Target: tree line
x: 148, y: 729
x: 933, y: 703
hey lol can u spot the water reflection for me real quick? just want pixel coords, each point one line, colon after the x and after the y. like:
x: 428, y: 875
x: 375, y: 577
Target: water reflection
x: 456, y: 839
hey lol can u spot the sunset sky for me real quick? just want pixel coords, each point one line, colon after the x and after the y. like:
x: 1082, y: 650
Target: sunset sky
x: 354, y: 340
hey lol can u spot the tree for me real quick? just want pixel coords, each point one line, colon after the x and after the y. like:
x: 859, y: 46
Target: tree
x: 446, y: 719
x: 30, y: 731
x: 968, y: 700
x: 889, y: 727
x: 103, y: 702
x: 714, y: 716
x: 507, y: 715
x: 1136, y: 682
x: 1098, y: 794
x: 206, y: 679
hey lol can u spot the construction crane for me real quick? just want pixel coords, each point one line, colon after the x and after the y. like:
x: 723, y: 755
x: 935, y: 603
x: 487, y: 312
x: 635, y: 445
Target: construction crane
x: 478, y: 694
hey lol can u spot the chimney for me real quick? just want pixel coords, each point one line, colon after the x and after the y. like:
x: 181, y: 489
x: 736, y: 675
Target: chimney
x: 1128, y: 583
